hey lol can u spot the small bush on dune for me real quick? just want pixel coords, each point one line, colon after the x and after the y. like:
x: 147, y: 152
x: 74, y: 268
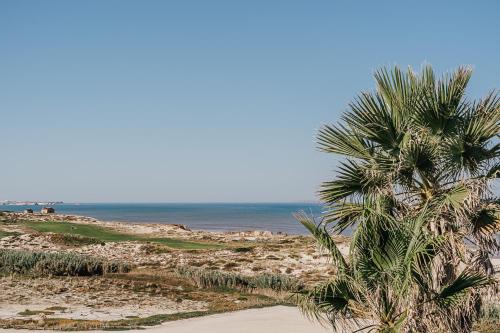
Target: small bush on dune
x: 74, y: 240
x: 243, y: 249
x: 57, y: 264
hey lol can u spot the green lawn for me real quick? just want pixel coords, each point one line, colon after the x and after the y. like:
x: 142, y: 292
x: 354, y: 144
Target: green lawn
x: 108, y: 235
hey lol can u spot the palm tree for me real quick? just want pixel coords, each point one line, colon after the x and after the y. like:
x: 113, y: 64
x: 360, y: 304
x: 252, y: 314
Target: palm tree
x: 417, y: 142
x: 386, y: 285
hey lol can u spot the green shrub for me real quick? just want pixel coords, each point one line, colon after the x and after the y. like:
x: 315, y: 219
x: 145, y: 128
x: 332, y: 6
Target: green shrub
x: 205, y: 278
x: 74, y: 240
x: 243, y: 249
x: 57, y: 264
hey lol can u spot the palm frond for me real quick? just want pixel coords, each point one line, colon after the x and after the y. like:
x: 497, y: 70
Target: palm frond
x: 462, y: 156
x: 486, y: 221
x: 397, y: 89
x: 371, y: 117
x: 344, y: 141
x: 452, y: 198
x: 452, y: 293
x: 354, y: 179
x: 485, y: 225
x: 440, y: 104
x: 468, y: 150
x: 482, y: 121
x: 335, y: 302
x: 418, y: 160
x: 343, y: 216
x: 324, y: 240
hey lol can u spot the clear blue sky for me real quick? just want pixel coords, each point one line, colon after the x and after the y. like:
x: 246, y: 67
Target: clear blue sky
x: 206, y: 101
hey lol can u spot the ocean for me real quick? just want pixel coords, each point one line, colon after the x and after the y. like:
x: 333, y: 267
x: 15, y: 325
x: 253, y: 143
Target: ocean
x: 275, y: 217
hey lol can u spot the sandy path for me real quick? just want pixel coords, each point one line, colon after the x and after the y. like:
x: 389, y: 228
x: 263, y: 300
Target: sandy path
x: 267, y: 320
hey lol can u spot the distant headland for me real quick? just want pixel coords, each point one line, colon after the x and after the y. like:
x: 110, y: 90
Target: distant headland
x: 29, y: 203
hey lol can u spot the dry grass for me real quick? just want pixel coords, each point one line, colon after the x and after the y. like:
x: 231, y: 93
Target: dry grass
x: 205, y: 278
x: 57, y: 264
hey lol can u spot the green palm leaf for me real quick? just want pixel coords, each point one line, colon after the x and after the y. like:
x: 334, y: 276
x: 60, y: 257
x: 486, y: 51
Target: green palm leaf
x: 342, y: 140
x: 353, y: 179
x: 324, y: 240
x: 453, y: 293
x: 371, y: 117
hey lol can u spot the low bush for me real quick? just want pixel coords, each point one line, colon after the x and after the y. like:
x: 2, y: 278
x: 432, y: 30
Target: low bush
x: 205, y: 278
x: 56, y: 264
x: 243, y: 249
x: 74, y: 240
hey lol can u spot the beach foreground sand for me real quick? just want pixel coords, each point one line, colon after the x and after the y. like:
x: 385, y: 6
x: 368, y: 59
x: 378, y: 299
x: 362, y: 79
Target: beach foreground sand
x: 266, y: 320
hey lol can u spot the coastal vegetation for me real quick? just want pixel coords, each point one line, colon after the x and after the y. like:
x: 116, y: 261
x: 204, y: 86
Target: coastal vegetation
x: 57, y: 264
x: 416, y: 189
x: 205, y: 278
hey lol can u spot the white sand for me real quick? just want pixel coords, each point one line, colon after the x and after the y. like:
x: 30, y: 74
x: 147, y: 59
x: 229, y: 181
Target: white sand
x: 276, y: 319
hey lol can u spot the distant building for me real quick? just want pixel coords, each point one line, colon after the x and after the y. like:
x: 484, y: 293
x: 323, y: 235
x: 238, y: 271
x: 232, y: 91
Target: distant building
x: 28, y: 211
x: 47, y: 210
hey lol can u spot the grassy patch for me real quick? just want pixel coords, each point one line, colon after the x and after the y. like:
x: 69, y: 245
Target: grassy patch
x: 108, y: 235
x: 56, y: 264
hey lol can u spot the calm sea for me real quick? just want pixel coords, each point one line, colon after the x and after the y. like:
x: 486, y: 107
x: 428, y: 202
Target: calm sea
x: 210, y: 216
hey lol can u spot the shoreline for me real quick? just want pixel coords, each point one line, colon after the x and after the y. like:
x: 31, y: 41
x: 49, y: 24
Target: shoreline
x: 145, y: 227
x: 224, y: 217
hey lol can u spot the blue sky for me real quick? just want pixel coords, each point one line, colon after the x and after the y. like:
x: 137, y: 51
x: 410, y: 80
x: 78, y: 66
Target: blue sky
x: 205, y: 101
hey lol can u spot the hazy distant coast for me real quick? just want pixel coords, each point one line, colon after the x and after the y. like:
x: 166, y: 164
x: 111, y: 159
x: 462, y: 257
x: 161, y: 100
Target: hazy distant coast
x: 29, y: 203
